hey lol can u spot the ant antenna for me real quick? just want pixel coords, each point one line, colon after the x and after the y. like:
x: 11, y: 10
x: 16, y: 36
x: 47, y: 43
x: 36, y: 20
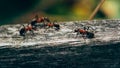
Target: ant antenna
x: 23, y: 25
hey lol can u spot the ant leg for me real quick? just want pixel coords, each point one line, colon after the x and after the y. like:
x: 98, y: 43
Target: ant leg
x: 24, y: 35
x: 77, y: 34
x: 32, y: 32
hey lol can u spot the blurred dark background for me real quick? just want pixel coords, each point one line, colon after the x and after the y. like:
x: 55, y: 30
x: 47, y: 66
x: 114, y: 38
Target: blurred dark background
x: 22, y: 11
x: 13, y: 9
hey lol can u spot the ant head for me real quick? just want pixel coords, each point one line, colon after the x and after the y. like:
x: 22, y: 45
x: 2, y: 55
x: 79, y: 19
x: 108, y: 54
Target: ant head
x: 76, y: 30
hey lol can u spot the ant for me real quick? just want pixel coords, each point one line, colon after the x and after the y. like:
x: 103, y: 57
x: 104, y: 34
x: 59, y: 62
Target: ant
x: 85, y: 33
x: 25, y: 29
